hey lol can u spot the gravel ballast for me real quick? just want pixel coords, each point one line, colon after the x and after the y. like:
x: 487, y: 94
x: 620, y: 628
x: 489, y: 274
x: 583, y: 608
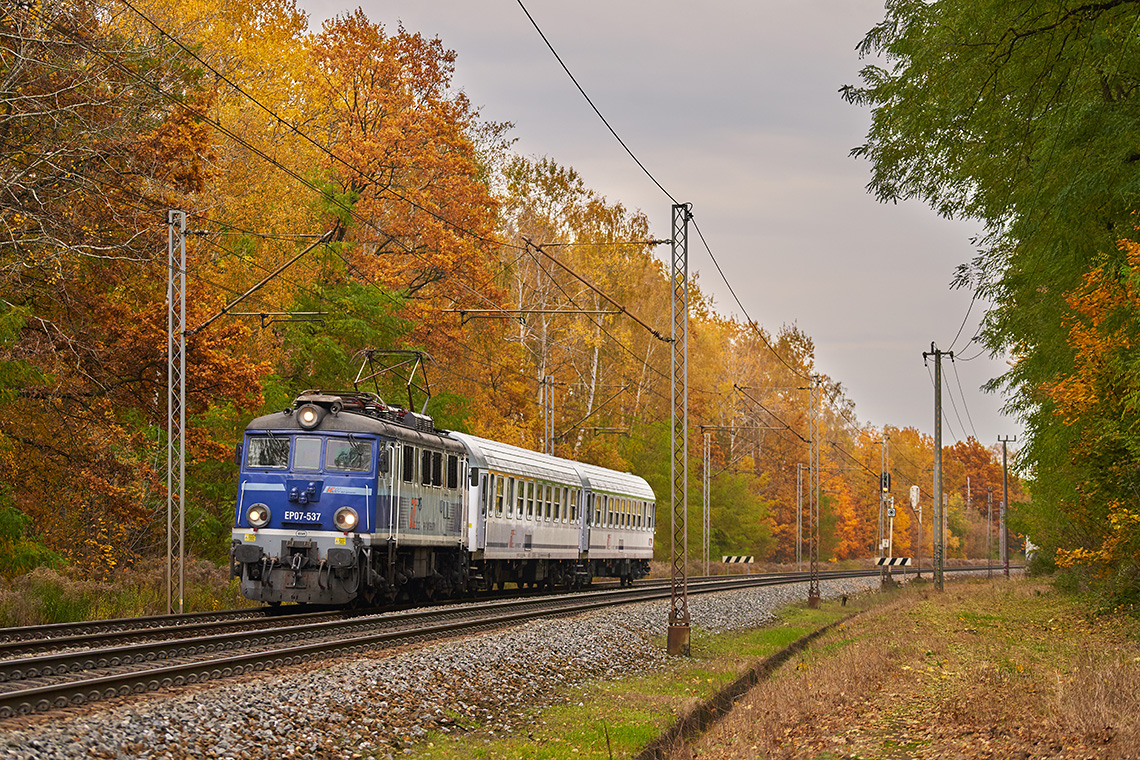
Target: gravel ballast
x: 383, y: 703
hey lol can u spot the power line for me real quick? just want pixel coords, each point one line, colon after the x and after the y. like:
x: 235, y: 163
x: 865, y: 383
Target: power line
x: 740, y: 390
x: 751, y: 322
x: 962, y: 393
x: 945, y: 421
x: 963, y: 325
x: 591, y: 102
x: 295, y: 130
x: 669, y: 195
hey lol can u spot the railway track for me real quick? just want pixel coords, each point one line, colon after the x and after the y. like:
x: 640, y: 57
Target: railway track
x: 75, y: 668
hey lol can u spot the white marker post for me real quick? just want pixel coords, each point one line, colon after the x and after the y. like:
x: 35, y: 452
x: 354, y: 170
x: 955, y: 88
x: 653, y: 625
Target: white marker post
x: 914, y: 507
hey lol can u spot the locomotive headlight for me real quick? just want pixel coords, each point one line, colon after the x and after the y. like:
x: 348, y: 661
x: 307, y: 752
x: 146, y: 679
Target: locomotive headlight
x: 309, y: 416
x: 257, y: 515
x: 346, y: 519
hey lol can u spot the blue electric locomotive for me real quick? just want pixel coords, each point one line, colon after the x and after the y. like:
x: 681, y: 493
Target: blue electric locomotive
x: 344, y: 499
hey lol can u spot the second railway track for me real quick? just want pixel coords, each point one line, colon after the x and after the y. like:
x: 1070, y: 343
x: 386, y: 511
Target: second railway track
x: 73, y: 673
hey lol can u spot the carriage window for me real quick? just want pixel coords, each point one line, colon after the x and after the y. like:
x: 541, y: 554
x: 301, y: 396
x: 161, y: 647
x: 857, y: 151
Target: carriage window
x: 557, y: 503
x: 409, y: 463
x: 436, y: 468
x: 268, y: 452
x: 529, y: 500
x: 652, y: 515
x: 511, y: 496
x: 483, y: 496
x: 573, y: 505
x: 452, y: 471
x: 499, y: 496
x: 307, y: 454
x: 425, y: 468
x: 353, y: 454
x: 551, y: 495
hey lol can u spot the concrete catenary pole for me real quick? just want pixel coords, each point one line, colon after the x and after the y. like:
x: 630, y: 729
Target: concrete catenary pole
x: 939, y: 507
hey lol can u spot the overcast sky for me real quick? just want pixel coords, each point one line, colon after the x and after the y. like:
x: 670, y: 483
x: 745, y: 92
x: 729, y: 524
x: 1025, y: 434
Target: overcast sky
x: 733, y: 106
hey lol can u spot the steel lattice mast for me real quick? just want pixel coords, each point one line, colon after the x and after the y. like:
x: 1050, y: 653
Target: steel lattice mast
x: 176, y: 406
x: 799, y: 516
x: 678, y: 638
x: 813, y: 527
x: 708, y: 496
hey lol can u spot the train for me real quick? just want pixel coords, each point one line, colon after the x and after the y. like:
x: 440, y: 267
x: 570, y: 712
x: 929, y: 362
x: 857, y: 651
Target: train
x: 344, y: 500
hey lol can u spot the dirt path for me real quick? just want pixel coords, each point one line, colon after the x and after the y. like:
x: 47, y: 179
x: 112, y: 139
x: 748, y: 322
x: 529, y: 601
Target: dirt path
x: 982, y: 670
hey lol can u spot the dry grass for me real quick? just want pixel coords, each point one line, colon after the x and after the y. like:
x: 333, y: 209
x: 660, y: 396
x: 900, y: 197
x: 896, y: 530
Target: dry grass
x: 49, y: 596
x: 1002, y: 670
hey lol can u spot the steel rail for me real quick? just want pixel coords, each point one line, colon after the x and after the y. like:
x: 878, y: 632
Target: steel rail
x: 75, y: 657
x: 50, y: 631
x: 38, y: 698
x: 23, y: 640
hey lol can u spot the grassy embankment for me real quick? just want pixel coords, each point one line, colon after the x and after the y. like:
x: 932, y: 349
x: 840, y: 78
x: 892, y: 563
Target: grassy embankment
x: 49, y: 596
x: 617, y: 718
x: 985, y: 669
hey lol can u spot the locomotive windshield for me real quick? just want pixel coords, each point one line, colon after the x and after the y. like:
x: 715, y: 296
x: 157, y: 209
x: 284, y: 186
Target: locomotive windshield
x: 348, y: 455
x: 268, y: 452
x: 307, y: 455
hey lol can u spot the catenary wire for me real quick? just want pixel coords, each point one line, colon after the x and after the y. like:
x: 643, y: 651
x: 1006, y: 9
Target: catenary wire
x: 294, y: 129
x: 749, y: 319
x: 594, y: 107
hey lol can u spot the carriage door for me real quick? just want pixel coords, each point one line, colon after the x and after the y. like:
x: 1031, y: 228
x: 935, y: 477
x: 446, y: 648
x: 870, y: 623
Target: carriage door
x: 480, y: 501
x: 587, y: 521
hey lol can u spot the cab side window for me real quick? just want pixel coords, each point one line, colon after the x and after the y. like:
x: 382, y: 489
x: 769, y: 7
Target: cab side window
x: 409, y: 464
x: 452, y: 471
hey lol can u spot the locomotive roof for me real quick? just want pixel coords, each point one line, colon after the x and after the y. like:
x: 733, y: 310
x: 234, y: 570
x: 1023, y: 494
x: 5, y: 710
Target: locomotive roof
x: 353, y: 422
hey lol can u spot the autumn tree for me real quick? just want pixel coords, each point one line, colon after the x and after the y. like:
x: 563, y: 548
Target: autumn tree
x: 1016, y: 114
